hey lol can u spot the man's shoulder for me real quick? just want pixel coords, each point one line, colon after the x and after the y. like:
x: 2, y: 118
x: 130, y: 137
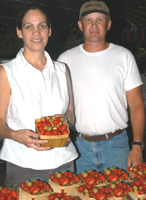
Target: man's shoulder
x: 71, y: 51
x: 119, y: 47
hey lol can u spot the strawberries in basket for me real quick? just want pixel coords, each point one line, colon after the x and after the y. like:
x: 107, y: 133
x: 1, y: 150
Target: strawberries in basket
x: 8, y: 193
x: 139, y: 171
x: 62, y: 196
x: 35, y: 187
x: 115, y: 174
x: 92, y: 177
x: 51, y: 125
x: 65, y: 178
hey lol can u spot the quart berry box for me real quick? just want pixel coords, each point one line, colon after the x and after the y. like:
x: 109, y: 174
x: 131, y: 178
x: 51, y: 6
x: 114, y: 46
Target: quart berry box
x: 26, y: 196
x: 53, y: 140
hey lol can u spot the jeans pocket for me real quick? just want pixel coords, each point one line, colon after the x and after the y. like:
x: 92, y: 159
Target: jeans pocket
x: 120, y: 140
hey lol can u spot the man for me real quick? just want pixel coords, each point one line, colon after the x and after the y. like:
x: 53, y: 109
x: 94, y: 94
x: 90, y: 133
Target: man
x: 106, y: 81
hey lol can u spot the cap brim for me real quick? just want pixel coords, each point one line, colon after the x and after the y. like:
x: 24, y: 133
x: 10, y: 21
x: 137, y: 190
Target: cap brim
x: 92, y: 11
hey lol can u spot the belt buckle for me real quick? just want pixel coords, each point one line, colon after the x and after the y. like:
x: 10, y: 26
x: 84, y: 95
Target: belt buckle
x: 86, y: 137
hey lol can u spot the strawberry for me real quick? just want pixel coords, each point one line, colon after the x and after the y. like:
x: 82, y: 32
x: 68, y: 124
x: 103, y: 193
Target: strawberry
x: 4, y: 190
x: 90, y: 179
x: 10, y: 197
x: 119, y: 171
x: 81, y: 188
x: 65, y: 132
x: 96, y: 174
x: 63, y: 127
x: 91, y: 172
x: 25, y: 188
x: 112, y: 177
x: 55, y: 179
x: 55, y: 122
x: 76, y: 178
x: 100, y: 196
x: 102, y: 178
x: 125, y: 176
x: 34, y: 190
x: 58, y: 174
x: 106, y: 171
x: 47, y: 187
x: 55, y: 131
x: 64, y: 181
x: 118, y: 192
x: 3, y: 197
x: 65, y: 172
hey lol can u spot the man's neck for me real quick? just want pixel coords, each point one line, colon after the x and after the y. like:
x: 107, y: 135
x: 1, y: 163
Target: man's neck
x: 95, y: 47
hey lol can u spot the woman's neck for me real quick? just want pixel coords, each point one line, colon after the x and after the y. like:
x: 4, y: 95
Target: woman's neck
x: 36, y: 59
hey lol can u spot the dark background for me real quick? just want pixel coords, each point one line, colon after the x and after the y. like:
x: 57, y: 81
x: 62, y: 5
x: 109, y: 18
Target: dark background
x: 128, y: 24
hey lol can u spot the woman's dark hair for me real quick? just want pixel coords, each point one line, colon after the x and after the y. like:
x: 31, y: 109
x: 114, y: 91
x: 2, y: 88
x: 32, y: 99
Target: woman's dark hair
x: 32, y: 7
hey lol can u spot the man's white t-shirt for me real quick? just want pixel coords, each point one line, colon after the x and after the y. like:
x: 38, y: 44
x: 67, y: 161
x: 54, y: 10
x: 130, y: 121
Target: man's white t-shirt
x: 100, y: 81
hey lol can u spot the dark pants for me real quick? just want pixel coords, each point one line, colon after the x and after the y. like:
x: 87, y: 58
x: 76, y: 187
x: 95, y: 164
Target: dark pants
x: 16, y: 175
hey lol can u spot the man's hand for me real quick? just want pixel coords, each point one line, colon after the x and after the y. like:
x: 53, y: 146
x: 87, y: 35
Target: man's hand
x: 135, y: 156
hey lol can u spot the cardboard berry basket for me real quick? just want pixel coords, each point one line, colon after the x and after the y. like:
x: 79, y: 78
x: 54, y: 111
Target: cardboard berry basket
x: 69, y: 190
x: 135, y: 196
x: 23, y: 195
x: 53, y: 141
x: 83, y: 197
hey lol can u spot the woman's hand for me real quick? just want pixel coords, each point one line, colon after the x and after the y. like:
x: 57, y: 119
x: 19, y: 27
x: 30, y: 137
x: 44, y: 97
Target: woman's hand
x: 30, y: 139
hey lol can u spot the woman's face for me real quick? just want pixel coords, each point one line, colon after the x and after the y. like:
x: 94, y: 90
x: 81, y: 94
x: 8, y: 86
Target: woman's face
x: 35, y: 31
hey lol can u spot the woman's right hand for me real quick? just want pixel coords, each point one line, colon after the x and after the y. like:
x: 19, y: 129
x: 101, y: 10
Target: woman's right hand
x: 30, y: 139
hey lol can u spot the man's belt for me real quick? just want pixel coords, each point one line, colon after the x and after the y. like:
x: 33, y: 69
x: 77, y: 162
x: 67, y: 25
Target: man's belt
x: 95, y: 138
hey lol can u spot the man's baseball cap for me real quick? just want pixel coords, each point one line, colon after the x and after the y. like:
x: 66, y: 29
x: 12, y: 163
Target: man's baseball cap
x: 94, y: 6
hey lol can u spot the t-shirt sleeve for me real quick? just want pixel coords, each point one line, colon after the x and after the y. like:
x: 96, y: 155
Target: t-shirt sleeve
x: 132, y: 74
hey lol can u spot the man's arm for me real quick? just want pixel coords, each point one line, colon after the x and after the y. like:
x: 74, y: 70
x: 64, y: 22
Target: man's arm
x: 137, y: 116
x: 70, y: 111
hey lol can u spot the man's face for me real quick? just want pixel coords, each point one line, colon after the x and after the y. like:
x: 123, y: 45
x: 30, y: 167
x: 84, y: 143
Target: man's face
x: 94, y: 27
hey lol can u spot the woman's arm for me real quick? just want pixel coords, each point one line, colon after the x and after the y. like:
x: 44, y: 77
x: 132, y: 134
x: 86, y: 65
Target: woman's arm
x: 26, y: 137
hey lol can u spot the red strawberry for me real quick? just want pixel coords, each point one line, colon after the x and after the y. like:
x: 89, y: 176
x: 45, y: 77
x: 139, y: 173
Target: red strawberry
x: 4, y: 190
x: 55, y: 179
x: 81, y: 188
x: 102, y: 178
x: 55, y: 131
x: 55, y: 122
x: 118, y: 192
x: 63, y: 127
x: 10, y: 197
x: 112, y: 177
x: 3, y: 197
x: 100, y: 196
x: 90, y: 179
x: 34, y: 190
x: 63, y: 181
x: 76, y: 179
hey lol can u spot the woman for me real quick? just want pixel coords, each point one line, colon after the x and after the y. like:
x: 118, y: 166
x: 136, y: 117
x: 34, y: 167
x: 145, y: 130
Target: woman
x: 31, y: 86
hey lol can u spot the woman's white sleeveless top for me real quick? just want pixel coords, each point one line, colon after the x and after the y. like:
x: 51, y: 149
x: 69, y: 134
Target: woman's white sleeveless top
x: 35, y: 94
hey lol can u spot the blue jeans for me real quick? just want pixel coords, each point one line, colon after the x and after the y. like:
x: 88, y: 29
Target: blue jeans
x: 103, y: 154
